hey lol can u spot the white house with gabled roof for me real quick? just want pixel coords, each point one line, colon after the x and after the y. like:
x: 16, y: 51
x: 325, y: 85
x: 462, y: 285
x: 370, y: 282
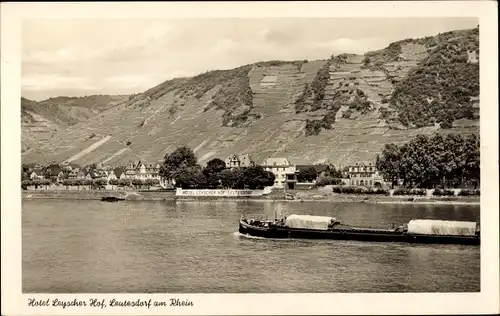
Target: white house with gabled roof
x: 285, y: 173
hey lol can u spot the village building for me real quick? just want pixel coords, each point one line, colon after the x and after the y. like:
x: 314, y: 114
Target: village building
x: 167, y: 183
x: 73, y: 174
x: 239, y: 161
x: 110, y: 175
x: 149, y: 171
x: 142, y: 171
x: 82, y: 174
x: 96, y: 174
x: 116, y: 174
x: 131, y: 170
x: 61, y: 176
x: 69, y: 166
x: 283, y: 170
x: 52, y: 172
x: 36, y: 175
x: 363, y: 174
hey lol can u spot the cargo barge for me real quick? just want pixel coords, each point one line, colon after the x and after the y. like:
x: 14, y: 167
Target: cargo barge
x: 423, y: 231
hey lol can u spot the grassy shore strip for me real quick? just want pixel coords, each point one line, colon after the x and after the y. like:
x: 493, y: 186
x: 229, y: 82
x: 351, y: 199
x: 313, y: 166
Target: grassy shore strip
x: 310, y: 197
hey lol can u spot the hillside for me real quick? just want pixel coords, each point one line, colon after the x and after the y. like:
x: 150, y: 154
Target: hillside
x: 40, y: 120
x: 342, y: 109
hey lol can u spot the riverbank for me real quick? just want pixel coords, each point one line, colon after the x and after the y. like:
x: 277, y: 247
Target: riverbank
x: 305, y: 196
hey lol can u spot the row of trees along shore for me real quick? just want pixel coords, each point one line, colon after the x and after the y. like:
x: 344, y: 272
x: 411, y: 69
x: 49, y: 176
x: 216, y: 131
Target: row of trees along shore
x: 182, y: 166
x: 428, y: 162
x: 95, y: 183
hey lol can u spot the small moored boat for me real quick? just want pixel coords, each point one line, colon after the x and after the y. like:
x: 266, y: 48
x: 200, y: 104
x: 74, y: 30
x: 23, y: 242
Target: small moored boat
x: 111, y: 199
x: 323, y: 227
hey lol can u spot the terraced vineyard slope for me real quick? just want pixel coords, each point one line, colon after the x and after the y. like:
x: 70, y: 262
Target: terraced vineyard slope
x: 41, y: 120
x: 342, y: 109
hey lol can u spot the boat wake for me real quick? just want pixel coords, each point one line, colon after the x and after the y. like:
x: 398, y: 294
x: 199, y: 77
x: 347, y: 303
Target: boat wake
x: 238, y: 234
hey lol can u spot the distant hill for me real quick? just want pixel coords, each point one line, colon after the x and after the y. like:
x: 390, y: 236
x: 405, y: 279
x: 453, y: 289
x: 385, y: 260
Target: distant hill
x: 342, y: 109
x: 67, y: 111
x: 40, y: 120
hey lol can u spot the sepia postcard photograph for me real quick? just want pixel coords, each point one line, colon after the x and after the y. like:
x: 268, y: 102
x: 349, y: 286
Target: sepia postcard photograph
x: 250, y: 158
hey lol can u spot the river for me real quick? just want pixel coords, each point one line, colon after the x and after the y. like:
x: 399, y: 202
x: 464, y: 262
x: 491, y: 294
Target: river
x: 74, y: 246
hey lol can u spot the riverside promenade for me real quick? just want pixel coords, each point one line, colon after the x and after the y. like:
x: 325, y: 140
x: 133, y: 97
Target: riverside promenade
x: 316, y: 195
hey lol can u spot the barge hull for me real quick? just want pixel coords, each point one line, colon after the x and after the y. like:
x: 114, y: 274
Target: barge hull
x: 373, y: 236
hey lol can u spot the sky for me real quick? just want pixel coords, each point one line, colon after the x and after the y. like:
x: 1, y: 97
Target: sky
x: 78, y: 57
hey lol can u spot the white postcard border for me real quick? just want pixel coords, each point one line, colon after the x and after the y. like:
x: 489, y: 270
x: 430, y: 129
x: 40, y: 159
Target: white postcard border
x: 16, y: 303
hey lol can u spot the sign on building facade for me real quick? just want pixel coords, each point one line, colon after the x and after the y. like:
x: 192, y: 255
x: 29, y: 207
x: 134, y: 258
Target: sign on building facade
x: 227, y: 193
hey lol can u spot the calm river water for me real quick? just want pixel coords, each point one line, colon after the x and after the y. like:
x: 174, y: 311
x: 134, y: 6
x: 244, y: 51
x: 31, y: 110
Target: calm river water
x: 186, y: 247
